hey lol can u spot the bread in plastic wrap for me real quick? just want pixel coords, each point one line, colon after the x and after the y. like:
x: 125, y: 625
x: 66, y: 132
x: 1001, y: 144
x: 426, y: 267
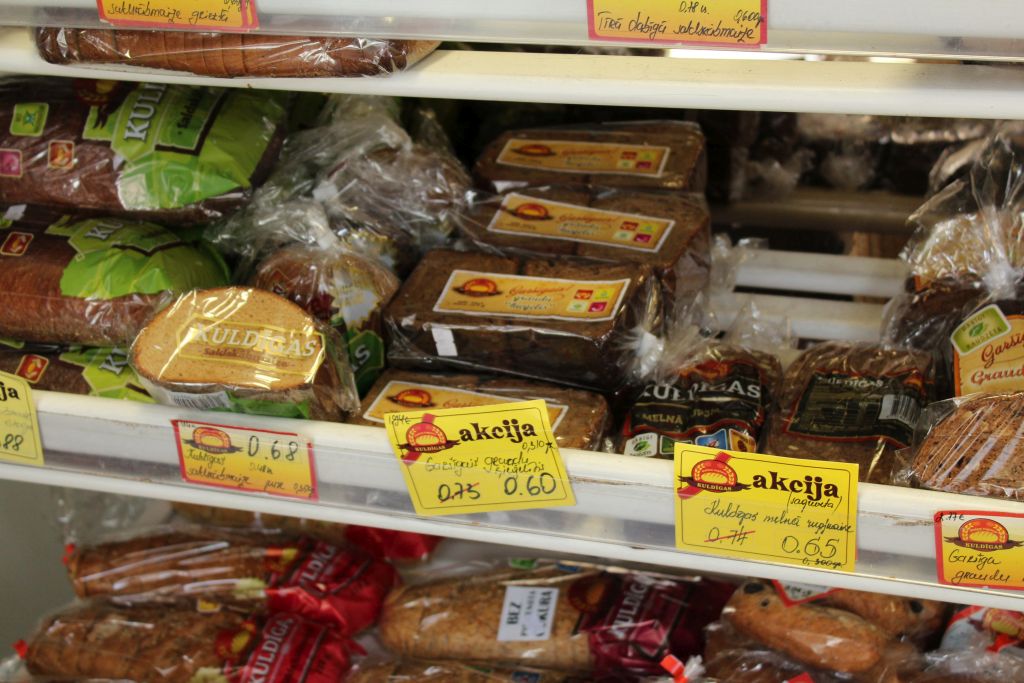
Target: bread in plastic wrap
x: 852, y: 402
x: 578, y: 417
x: 231, y: 54
x: 444, y: 672
x: 169, y: 153
x: 80, y: 370
x: 245, y: 350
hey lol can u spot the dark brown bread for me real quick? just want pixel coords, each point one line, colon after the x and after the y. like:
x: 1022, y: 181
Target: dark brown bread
x: 582, y: 423
x: 231, y: 55
x: 444, y: 672
x: 978, y: 449
x: 911, y: 617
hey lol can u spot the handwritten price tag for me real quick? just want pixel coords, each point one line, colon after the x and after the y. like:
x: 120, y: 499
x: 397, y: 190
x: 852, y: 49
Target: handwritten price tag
x: 981, y: 549
x: 766, y: 507
x: 196, y: 15
x: 277, y: 463
x: 479, y: 458
x: 19, y: 428
x: 722, y: 23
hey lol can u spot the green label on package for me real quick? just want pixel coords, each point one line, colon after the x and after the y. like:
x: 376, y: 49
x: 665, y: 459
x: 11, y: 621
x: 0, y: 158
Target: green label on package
x: 29, y: 119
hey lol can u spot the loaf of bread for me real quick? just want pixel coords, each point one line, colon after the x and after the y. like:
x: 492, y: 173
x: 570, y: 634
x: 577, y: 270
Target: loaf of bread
x: 577, y: 417
x: 851, y: 402
x: 231, y: 54
x: 669, y: 233
x: 896, y: 616
x: 75, y: 370
x: 445, y: 672
x: 558, y: 320
x: 92, y: 281
x: 245, y: 350
x: 666, y: 155
x: 168, y: 153
x: 977, y: 449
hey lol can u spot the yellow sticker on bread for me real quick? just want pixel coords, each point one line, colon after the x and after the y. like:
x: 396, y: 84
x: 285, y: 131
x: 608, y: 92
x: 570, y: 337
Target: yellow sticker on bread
x: 195, y: 15
x: 723, y: 23
x: 19, y: 426
x: 979, y: 548
x: 479, y: 458
x: 765, y: 507
x: 576, y: 156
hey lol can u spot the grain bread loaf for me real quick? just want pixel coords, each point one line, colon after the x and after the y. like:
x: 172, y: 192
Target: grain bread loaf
x: 230, y: 54
x: 897, y: 617
x: 75, y: 370
x: 977, y: 448
x: 92, y: 281
x: 559, y: 320
x: 245, y: 350
x: 851, y: 402
x: 444, y: 672
x: 577, y: 417
x: 669, y: 233
x: 169, y: 153
x: 665, y: 155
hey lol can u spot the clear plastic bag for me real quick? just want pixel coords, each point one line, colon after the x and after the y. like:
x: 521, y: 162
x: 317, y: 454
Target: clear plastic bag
x: 231, y: 55
x: 971, y: 666
x: 444, y: 672
x: 73, y: 280
x: 557, y: 320
x: 74, y: 370
x: 169, y: 153
x: 295, y: 367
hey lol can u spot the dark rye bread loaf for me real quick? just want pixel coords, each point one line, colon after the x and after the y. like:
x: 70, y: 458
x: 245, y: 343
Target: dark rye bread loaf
x: 231, y: 54
x: 977, y: 449
x: 578, y: 417
x: 75, y: 370
x: 559, y: 320
x: 600, y: 223
x: 654, y: 155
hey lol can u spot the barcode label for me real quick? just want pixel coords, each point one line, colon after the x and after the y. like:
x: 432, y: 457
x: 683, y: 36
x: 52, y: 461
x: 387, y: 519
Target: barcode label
x: 198, y: 401
x: 903, y: 409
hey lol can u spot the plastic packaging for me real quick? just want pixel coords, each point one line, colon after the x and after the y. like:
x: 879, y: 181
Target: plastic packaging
x: 102, y: 372
x: 265, y: 572
x: 986, y: 629
x: 665, y: 155
x: 245, y: 350
x: 851, y: 402
x: 171, y: 644
x: 92, y: 280
x: 669, y: 233
x: 444, y: 672
x: 972, y: 445
x: 564, y: 618
x: 231, y: 55
x: 971, y: 666
x: 578, y: 417
x: 168, y: 153
x: 558, y: 320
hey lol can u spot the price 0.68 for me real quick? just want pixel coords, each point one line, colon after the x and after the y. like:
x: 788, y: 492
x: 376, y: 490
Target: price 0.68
x: 278, y: 449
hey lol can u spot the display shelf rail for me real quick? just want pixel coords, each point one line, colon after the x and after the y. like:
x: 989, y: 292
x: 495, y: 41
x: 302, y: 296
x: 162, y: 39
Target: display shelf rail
x: 974, y: 91
x: 985, y: 29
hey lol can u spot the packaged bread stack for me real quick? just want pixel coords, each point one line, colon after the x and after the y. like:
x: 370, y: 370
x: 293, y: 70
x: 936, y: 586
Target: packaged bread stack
x: 980, y: 645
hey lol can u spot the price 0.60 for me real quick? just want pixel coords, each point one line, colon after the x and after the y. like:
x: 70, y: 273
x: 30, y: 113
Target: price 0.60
x: 278, y: 449
x: 534, y: 485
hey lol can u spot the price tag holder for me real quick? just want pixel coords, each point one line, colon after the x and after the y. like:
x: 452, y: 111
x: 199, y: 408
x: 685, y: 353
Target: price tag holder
x: 245, y: 459
x: 479, y: 458
x: 765, y: 507
x: 185, y: 15
x: 980, y: 549
x: 19, y: 427
x: 706, y: 23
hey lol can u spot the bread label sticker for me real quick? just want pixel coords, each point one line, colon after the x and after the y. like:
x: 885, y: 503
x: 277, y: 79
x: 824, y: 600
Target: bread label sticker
x: 572, y: 156
x: 398, y: 395
x: 246, y: 459
x: 799, y: 593
x: 527, y: 614
x: 706, y: 23
x: 980, y: 549
x: 522, y: 215
x: 479, y: 458
x: 473, y: 292
x: 988, y: 352
x: 765, y: 507
x: 189, y: 15
x: 19, y: 426
x: 29, y: 119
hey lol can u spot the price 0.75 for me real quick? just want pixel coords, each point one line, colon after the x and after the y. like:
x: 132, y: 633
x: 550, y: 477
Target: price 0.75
x: 12, y: 442
x: 278, y: 448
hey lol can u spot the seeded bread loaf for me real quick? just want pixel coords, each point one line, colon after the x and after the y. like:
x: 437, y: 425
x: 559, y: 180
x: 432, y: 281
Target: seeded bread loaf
x: 558, y: 320
x: 231, y: 54
x: 577, y: 417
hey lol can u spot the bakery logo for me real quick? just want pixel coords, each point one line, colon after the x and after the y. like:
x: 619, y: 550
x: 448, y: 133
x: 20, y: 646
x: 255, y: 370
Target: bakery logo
x: 425, y: 437
x: 285, y: 344
x: 10, y: 163
x: 986, y: 535
x: 32, y: 367
x: 413, y: 398
x: 531, y: 211
x: 230, y: 646
x: 144, y: 110
x: 211, y: 440
x: 1004, y: 622
x: 479, y: 286
x: 279, y: 559
x: 60, y: 155
x: 534, y: 149
x: 984, y: 326
x: 716, y: 476
x: 16, y: 244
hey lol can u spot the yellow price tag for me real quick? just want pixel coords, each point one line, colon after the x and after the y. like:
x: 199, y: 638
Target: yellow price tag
x: 196, y: 15
x: 245, y: 459
x: 479, y: 458
x: 721, y: 23
x: 981, y: 549
x: 19, y: 427
x: 766, y: 507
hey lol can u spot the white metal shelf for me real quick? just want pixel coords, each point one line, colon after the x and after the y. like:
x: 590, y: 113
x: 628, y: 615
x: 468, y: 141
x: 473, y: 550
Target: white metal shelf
x: 994, y: 91
x: 983, y: 29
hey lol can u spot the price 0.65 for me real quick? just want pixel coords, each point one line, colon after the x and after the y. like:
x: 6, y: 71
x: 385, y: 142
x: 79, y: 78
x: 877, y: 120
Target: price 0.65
x: 278, y: 448
x: 816, y: 550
